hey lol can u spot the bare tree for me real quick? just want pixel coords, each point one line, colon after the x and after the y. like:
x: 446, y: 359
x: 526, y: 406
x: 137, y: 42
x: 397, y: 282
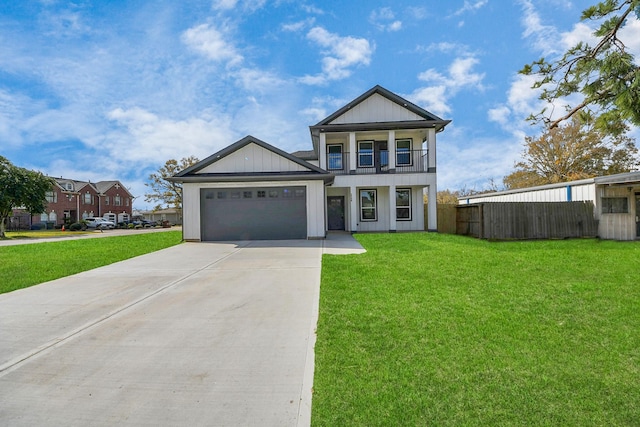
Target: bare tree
x: 164, y: 192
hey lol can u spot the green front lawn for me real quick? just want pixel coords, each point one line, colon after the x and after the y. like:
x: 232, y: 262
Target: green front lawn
x: 39, y: 234
x: 432, y: 330
x: 22, y: 266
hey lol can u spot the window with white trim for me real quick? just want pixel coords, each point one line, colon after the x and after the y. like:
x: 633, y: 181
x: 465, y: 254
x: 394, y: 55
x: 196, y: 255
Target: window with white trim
x: 368, y: 205
x: 334, y: 157
x: 87, y: 199
x: 117, y: 200
x: 403, y: 152
x: 52, y: 196
x: 365, y: 154
x: 403, y: 204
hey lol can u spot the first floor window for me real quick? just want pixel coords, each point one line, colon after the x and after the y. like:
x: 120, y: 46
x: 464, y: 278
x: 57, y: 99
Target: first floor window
x: 365, y: 154
x: 403, y: 204
x: 368, y: 205
x: 615, y: 205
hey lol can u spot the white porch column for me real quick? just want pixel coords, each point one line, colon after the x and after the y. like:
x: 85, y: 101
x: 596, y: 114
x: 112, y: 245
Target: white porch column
x: 432, y: 210
x: 392, y: 208
x: 391, y: 146
x: 322, y: 150
x: 354, y: 214
x: 431, y: 146
x: 352, y: 151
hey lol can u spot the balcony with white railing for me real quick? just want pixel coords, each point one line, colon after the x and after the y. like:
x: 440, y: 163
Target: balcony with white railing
x: 377, y: 162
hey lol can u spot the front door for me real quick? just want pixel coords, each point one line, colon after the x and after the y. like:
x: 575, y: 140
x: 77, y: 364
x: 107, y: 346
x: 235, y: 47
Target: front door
x: 335, y: 212
x: 638, y: 215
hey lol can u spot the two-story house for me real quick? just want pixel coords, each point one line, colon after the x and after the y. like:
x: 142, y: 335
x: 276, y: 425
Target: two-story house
x: 370, y: 165
x: 71, y: 201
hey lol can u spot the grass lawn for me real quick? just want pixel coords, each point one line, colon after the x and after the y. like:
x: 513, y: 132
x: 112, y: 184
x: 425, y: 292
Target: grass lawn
x: 22, y: 266
x: 38, y: 234
x: 432, y: 330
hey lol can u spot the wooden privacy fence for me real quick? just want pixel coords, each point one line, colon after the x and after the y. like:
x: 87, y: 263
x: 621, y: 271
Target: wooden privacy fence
x: 446, y: 218
x: 535, y: 220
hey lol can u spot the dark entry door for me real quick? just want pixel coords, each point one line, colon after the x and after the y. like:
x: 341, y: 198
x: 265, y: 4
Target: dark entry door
x: 335, y: 212
x: 638, y: 215
x: 381, y: 156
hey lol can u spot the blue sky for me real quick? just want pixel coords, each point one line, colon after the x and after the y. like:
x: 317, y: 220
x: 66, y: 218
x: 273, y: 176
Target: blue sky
x: 112, y: 89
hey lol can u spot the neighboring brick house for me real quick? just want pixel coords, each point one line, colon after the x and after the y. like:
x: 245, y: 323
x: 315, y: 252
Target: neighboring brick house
x: 70, y: 201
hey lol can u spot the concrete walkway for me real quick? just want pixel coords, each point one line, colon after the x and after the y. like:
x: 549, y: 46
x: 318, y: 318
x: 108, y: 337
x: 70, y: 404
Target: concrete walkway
x: 198, y: 334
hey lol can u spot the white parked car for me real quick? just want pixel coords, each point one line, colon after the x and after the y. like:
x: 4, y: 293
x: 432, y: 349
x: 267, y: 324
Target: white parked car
x: 99, y: 223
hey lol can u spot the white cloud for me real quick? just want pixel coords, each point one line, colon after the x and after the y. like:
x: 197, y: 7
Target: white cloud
x: 341, y: 54
x: 500, y: 115
x: 294, y: 27
x: 64, y: 24
x: 630, y: 35
x: 223, y: 4
x: 581, y: 32
x: 211, y: 42
x: 254, y: 80
x: 145, y: 138
x: 545, y: 37
x: 385, y: 20
x: 312, y: 9
x: 435, y: 97
x: 470, y: 7
x: 417, y: 13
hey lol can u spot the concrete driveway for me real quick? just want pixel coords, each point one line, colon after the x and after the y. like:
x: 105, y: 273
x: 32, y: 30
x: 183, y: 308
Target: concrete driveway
x: 217, y: 334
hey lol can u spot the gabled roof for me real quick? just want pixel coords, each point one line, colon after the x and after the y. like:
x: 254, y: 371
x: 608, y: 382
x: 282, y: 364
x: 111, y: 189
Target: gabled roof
x: 100, y: 187
x: 427, y: 118
x: 196, y: 172
x: 305, y: 155
x: 620, y: 179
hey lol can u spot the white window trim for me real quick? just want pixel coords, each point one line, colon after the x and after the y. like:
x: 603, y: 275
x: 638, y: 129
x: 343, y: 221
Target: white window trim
x: 375, y: 205
x: 409, y: 207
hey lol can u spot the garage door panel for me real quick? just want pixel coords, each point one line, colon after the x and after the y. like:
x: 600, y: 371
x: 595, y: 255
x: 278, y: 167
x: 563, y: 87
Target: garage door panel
x: 254, y: 213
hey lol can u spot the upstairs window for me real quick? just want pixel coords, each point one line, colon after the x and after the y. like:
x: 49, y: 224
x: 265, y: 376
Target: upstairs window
x: 334, y: 157
x: 117, y: 201
x: 106, y: 200
x: 365, y: 154
x: 403, y: 204
x: 87, y: 199
x: 52, y: 196
x: 403, y: 152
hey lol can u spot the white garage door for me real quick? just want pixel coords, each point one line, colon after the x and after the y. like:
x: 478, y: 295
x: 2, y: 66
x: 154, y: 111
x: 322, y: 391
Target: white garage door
x: 257, y: 213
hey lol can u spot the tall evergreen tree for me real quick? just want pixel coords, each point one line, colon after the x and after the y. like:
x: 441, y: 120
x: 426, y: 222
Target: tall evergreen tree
x: 605, y: 76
